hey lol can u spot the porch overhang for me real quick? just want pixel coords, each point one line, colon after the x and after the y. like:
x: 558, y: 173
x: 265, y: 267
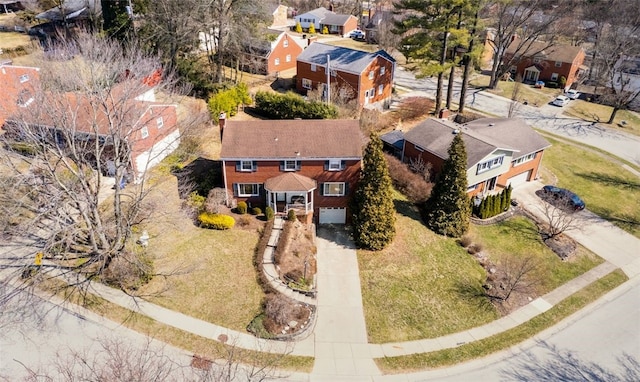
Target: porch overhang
x: 290, y: 182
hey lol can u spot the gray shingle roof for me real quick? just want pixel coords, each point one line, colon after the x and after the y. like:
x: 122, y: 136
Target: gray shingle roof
x: 335, y: 19
x: 561, y: 53
x: 481, y: 137
x: 343, y: 59
x: 284, y: 139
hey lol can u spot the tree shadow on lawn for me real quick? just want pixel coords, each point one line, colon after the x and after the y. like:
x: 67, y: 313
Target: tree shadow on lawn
x: 609, y: 180
x: 474, y: 294
x: 528, y: 231
x: 407, y: 209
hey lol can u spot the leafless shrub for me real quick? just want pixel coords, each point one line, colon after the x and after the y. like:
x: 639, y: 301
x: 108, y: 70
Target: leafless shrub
x: 412, y: 185
x: 280, y: 309
x: 245, y: 220
x: 217, y: 198
x: 420, y: 167
x: 373, y: 121
x: 415, y: 107
x: 130, y: 270
x: 465, y: 241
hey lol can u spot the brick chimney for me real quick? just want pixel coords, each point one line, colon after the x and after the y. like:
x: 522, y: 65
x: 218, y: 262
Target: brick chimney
x: 222, y: 120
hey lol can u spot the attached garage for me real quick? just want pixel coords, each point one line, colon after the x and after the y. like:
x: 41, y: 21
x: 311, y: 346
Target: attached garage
x: 333, y: 215
x: 519, y: 179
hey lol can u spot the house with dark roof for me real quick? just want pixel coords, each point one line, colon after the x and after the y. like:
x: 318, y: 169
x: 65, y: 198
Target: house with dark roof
x: 310, y: 166
x: 355, y: 74
x: 322, y: 17
x: 500, y: 151
x: 151, y: 135
x: 540, y: 62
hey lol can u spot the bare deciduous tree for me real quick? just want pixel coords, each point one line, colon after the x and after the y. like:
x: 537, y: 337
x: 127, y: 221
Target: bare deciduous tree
x: 559, y: 218
x: 515, y: 275
x: 514, y: 105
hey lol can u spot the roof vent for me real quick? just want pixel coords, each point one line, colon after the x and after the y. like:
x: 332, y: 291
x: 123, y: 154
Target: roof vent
x: 275, y: 139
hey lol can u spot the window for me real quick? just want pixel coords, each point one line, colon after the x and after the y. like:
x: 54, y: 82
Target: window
x: 288, y: 58
x: 418, y: 148
x: 144, y: 132
x: 333, y: 73
x: 159, y: 122
x: 380, y: 89
x: 488, y: 165
x: 382, y: 70
x: 554, y: 77
x: 306, y: 83
x: 370, y: 74
x: 372, y: 92
x: 536, y: 60
x: 513, y: 69
x: 333, y: 189
x: 247, y: 165
x: 290, y: 165
x: 524, y: 159
x: 24, y: 78
x: 247, y: 189
x: 285, y: 43
x: 558, y: 64
x: 313, y: 67
x: 277, y: 61
x: 471, y: 188
x: 335, y: 165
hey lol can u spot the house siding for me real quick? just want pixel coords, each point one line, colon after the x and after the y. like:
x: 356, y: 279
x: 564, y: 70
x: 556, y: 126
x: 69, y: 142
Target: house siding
x: 313, y: 169
x: 532, y: 165
x: 156, y: 134
x: 569, y: 70
x: 412, y: 152
x: 280, y: 52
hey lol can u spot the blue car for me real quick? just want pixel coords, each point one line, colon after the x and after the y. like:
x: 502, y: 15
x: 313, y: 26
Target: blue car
x: 572, y: 199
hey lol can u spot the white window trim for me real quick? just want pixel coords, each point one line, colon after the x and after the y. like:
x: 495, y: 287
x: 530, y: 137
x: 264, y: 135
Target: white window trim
x: 382, y: 70
x: 524, y: 159
x: 380, y: 89
x: 326, y: 186
x: 288, y: 58
x: 285, y: 43
x: 242, y: 167
x: 371, y: 74
x: 276, y: 62
x: 558, y: 64
x: 314, y: 67
x: 144, y: 132
x: 335, y: 165
x: 160, y: 122
x: 287, y: 165
x: 306, y: 83
x: 490, y: 164
x: 24, y: 78
x: 255, y: 191
x: 554, y: 76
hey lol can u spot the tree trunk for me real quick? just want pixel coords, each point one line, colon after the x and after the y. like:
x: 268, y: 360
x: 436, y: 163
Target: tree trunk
x: 613, y: 115
x: 467, y: 65
x: 493, y: 82
x: 452, y: 74
x: 443, y: 59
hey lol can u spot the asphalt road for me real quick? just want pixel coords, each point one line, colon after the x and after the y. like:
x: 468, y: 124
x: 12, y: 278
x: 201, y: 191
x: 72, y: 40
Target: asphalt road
x: 545, y: 117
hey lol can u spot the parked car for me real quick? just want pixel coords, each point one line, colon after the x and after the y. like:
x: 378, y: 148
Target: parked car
x: 357, y: 34
x: 572, y: 199
x: 573, y: 94
x: 561, y: 100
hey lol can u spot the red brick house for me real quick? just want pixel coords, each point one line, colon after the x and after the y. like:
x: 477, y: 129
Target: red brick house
x: 549, y: 64
x: 363, y: 76
x: 274, y: 51
x: 152, y: 135
x: 311, y: 166
x: 500, y: 151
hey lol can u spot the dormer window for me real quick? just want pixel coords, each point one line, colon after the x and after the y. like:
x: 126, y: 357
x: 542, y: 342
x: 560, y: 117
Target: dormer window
x: 159, y: 122
x: 24, y: 78
x: 285, y: 43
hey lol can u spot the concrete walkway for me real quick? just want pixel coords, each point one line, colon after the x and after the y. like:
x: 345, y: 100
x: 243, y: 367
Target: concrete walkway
x: 340, y: 332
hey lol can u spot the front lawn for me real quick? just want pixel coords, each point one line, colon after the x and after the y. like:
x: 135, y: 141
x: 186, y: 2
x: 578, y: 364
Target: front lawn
x: 410, y: 290
x: 594, y: 112
x: 609, y: 190
x: 12, y: 40
x: 533, y: 96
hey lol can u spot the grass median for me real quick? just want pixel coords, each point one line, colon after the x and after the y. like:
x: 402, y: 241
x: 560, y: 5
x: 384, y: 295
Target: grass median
x: 447, y: 357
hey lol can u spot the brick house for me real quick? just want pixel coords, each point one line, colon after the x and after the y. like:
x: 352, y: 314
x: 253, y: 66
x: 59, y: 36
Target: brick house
x: 274, y: 51
x: 363, y: 76
x: 154, y: 129
x: 321, y: 17
x: 500, y: 151
x: 311, y: 166
x: 549, y: 64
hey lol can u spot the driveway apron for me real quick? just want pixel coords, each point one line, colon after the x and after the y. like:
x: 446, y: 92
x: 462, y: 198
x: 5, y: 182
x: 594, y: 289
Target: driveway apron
x: 340, y: 332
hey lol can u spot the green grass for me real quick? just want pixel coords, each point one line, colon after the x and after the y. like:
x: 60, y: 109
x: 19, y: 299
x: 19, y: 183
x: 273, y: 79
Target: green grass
x: 594, y: 112
x: 12, y: 40
x: 508, y: 338
x: 518, y: 237
x: 607, y: 189
x: 410, y: 290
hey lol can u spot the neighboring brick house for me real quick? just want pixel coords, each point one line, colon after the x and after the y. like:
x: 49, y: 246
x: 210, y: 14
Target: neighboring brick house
x: 274, y: 51
x: 363, y: 76
x: 500, y: 151
x: 154, y: 125
x: 321, y: 17
x: 549, y: 64
x: 311, y: 166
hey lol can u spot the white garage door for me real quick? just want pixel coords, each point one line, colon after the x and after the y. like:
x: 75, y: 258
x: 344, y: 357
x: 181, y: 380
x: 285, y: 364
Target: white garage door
x: 333, y: 215
x: 517, y: 180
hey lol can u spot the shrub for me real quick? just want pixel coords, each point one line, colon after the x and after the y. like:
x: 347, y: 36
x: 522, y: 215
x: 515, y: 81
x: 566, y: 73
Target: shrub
x: 216, y: 221
x: 268, y: 213
x: 196, y: 201
x: 291, y: 106
x: 291, y: 215
x: 256, y: 211
x: 312, y: 28
x: 242, y: 208
x: 24, y: 148
x: 228, y: 100
x: 410, y: 184
x: 415, y: 107
x: 325, y: 30
x: 493, y: 205
x: 465, y: 241
x: 244, y: 220
x: 298, y: 27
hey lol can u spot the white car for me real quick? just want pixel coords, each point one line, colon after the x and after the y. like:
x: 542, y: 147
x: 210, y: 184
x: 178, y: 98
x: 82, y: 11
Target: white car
x: 573, y: 94
x: 357, y: 34
x: 561, y: 100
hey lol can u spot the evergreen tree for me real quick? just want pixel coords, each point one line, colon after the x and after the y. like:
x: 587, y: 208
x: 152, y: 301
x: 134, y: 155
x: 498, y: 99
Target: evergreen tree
x: 117, y: 22
x: 298, y: 27
x: 312, y: 28
x: 447, y: 211
x: 373, y: 210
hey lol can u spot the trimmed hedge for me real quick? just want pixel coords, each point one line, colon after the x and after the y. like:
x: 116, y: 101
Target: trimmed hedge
x: 242, y: 208
x: 291, y: 106
x: 268, y: 213
x: 493, y: 205
x: 228, y: 101
x: 216, y: 221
